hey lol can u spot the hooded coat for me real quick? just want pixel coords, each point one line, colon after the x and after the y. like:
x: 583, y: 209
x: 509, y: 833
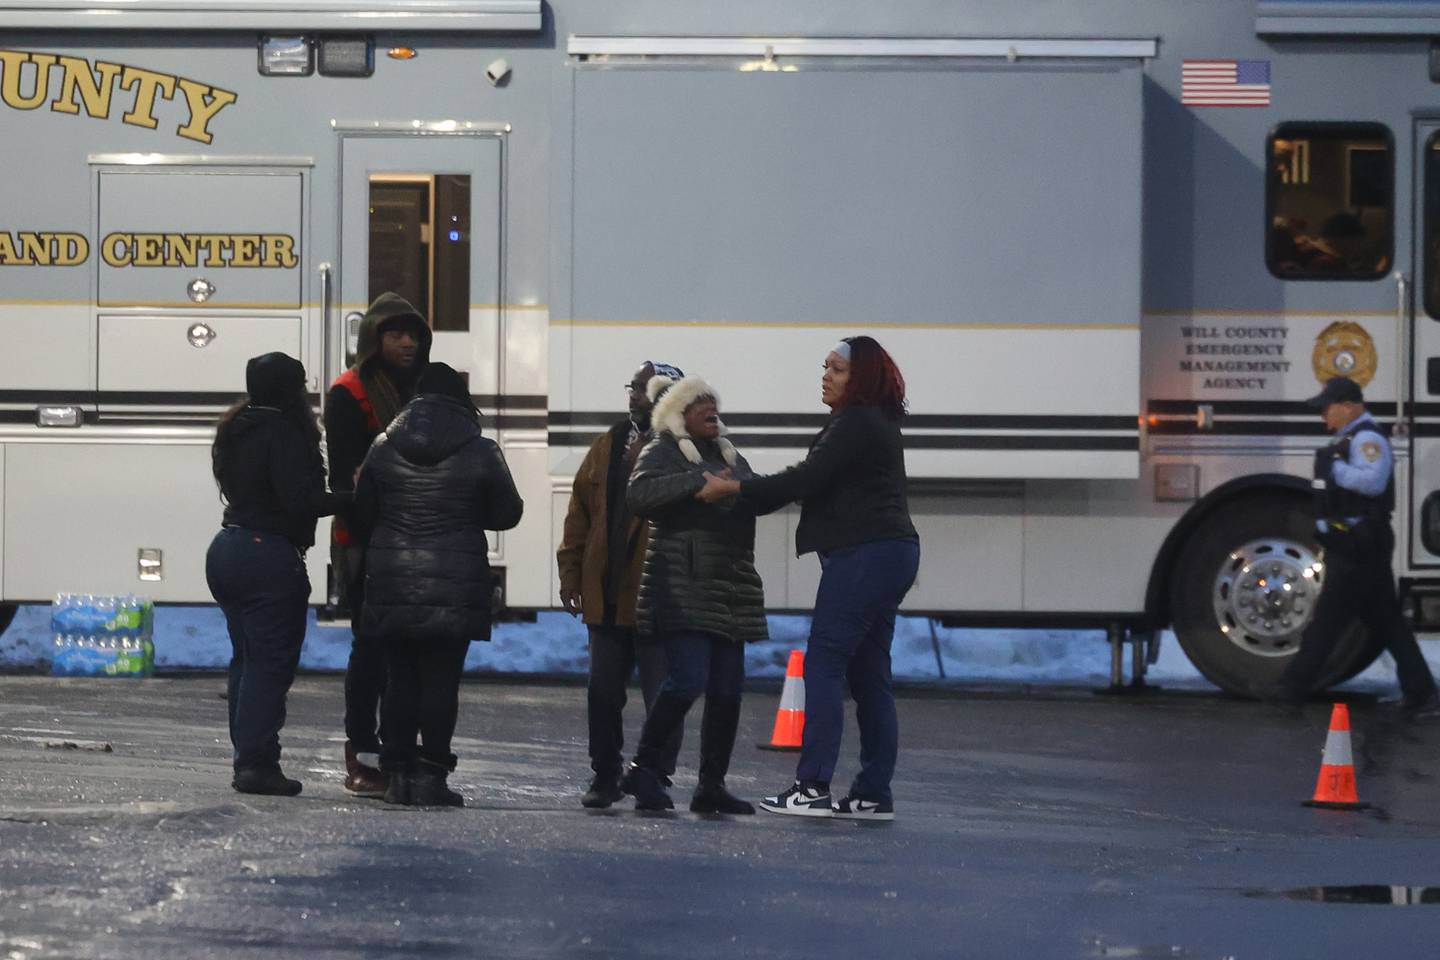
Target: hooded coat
x: 429, y: 489
x: 699, y: 572
x: 267, y: 463
x: 353, y: 422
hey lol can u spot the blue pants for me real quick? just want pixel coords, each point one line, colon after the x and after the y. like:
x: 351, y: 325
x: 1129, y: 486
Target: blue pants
x: 700, y: 663
x: 260, y: 583
x: 854, y: 623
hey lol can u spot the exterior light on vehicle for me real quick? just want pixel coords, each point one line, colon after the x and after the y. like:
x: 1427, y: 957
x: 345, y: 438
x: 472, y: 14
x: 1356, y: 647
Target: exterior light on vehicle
x: 346, y: 56
x: 286, y: 57
x: 401, y: 53
x: 59, y: 416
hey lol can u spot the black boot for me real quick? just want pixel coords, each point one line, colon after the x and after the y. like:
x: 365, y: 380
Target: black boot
x: 604, y: 790
x: 646, y: 787
x: 397, y: 791
x: 265, y: 780
x: 428, y: 787
x: 717, y: 741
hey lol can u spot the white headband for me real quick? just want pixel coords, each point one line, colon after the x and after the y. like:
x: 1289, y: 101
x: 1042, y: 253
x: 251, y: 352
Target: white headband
x: 843, y: 349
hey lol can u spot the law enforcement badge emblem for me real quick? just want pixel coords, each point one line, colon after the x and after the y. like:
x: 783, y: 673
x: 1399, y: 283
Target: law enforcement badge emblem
x: 1345, y: 349
x: 1370, y: 451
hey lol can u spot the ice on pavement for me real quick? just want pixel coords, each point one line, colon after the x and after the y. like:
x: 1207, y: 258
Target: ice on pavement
x: 194, y: 637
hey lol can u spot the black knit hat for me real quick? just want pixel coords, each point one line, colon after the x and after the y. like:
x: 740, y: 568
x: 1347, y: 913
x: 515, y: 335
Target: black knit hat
x: 275, y: 380
x: 441, y: 379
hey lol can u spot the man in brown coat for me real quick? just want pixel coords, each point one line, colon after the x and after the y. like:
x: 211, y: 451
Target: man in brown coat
x: 600, y: 559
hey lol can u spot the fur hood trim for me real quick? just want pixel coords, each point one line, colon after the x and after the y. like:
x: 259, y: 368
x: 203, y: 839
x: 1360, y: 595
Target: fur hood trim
x: 671, y: 398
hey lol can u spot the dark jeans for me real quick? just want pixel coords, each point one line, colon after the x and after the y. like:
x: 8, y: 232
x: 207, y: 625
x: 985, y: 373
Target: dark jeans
x: 614, y: 654
x: 259, y: 580
x: 422, y: 697
x: 697, y: 663
x: 1359, y: 582
x: 700, y: 663
x: 365, y: 673
x: 854, y: 623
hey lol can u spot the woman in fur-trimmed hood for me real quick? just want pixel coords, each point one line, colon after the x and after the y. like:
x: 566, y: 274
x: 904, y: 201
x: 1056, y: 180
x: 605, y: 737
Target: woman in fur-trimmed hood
x: 699, y: 594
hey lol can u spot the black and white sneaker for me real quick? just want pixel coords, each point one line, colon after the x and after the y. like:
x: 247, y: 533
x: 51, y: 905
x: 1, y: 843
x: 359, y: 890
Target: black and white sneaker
x: 854, y: 808
x: 801, y: 800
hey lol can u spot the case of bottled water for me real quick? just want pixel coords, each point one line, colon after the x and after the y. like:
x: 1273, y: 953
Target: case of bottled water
x: 103, y: 636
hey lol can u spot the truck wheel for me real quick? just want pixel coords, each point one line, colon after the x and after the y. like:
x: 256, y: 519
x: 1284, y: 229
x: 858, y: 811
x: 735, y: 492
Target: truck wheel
x: 1243, y: 590
x: 7, y: 615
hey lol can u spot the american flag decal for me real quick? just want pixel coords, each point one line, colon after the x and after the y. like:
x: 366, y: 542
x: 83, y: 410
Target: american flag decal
x: 1225, y: 83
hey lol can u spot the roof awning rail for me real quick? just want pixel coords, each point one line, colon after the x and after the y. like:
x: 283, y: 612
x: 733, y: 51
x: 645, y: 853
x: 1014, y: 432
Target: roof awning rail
x: 1347, y: 18
x: 988, y: 47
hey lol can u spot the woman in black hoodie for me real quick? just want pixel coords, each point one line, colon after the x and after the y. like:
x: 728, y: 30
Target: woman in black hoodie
x: 266, y: 459
x: 429, y: 489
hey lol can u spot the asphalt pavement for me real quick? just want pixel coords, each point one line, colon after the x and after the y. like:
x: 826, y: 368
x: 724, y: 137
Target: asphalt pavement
x: 1031, y: 826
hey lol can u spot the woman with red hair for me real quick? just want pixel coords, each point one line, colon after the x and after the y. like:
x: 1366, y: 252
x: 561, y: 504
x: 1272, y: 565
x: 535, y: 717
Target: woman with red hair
x: 854, y: 514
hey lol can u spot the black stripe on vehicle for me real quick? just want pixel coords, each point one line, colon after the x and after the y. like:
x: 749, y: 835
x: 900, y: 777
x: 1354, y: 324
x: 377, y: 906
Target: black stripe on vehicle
x: 924, y: 441
x: 1257, y: 408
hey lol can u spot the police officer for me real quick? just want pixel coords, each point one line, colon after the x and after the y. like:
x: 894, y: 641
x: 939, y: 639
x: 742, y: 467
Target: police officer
x: 1354, y: 498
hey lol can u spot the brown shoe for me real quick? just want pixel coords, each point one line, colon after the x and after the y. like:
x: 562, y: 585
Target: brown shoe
x: 362, y: 779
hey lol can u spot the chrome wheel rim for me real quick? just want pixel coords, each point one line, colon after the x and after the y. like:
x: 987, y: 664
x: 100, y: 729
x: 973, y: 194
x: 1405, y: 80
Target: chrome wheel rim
x: 1265, y: 594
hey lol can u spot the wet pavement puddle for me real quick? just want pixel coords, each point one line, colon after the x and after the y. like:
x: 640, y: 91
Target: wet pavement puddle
x: 1377, y: 894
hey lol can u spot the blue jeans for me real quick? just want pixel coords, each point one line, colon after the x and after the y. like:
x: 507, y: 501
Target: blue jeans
x: 700, y: 663
x: 854, y: 624
x: 259, y: 580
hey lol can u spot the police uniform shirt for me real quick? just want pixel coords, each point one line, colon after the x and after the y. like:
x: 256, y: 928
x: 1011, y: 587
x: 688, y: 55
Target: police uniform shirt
x: 1367, y: 469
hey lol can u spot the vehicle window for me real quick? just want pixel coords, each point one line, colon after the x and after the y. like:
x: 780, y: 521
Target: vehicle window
x: 1330, y: 201
x: 1431, y: 173
x: 420, y: 243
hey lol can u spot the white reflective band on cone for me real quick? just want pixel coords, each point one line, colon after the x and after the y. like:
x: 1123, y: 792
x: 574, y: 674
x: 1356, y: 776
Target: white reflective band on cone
x: 1337, y: 749
x: 792, y: 697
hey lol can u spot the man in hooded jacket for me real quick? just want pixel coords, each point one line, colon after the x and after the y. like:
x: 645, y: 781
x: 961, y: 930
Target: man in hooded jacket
x: 392, y: 349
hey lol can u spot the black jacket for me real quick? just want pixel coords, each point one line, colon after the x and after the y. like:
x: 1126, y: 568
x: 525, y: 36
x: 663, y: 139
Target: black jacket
x: 851, y: 486
x: 274, y: 479
x: 429, y: 489
x: 700, y: 562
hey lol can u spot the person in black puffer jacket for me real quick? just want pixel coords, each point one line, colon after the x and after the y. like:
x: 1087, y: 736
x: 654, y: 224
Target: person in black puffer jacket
x: 855, y: 514
x: 266, y: 460
x: 699, y: 593
x: 429, y: 489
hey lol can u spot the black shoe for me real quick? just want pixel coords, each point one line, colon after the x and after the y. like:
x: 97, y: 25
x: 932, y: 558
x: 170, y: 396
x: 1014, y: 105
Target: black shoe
x: 854, y: 808
x: 428, y: 787
x: 712, y: 797
x: 397, y: 791
x: 645, y: 786
x: 267, y: 781
x: 602, y: 793
x: 801, y: 800
x: 1423, y: 708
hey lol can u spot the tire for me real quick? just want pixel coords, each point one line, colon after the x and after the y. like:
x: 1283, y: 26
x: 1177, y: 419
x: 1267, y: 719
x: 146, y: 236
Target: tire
x: 7, y: 615
x: 1242, y: 591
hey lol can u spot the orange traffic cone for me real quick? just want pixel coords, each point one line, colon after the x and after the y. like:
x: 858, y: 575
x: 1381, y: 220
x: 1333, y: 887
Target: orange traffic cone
x: 1335, y: 790
x: 790, y: 717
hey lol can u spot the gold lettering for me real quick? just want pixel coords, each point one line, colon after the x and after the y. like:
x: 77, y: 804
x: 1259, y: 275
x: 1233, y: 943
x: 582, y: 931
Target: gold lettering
x: 214, y: 248
x: 115, y: 250
x: 280, y: 251
x: 182, y: 250
x: 149, y: 250
x: 79, y: 83
x: 71, y: 249
x: 204, y: 101
x: 146, y: 83
x: 11, y: 61
x: 246, y: 247
x: 35, y: 249
x: 7, y: 251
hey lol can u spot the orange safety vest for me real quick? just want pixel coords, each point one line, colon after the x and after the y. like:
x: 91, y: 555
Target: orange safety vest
x: 353, y: 385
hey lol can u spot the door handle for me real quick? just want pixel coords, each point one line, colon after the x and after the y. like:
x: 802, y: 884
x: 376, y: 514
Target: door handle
x: 327, y: 339
x: 1402, y: 336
